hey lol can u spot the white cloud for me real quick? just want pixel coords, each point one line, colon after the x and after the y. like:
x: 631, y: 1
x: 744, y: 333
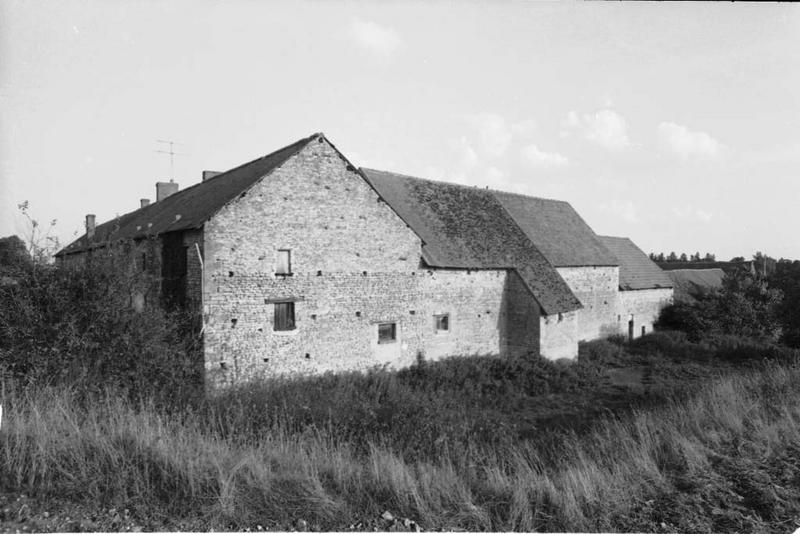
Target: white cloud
x: 525, y: 128
x: 606, y: 128
x: 465, y: 154
x: 686, y: 143
x: 495, y: 175
x: 691, y: 213
x: 493, y: 132
x: 535, y: 157
x: 624, y: 210
x: 375, y: 38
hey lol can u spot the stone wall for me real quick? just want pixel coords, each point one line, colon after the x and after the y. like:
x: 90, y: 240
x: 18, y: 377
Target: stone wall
x: 194, y: 243
x: 522, y: 324
x: 559, y: 335
x: 354, y: 265
x: 597, y: 289
x: 643, y: 307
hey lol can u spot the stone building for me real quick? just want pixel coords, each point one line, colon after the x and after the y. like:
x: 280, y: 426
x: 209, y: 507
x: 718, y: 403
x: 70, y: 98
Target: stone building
x: 644, y: 289
x: 300, y: 262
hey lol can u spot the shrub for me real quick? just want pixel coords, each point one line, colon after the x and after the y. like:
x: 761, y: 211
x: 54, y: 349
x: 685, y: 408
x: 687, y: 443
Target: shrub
x: 740, y: 349
x: 670, y: 344
x: 602, y: 352
x: 78, y: 326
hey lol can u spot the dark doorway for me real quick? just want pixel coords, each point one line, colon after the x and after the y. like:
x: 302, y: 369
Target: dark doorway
x: 630, y: 330
x: 173, y: 270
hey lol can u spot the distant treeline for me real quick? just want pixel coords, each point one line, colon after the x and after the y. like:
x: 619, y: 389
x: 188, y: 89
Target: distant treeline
x: 672, y: 256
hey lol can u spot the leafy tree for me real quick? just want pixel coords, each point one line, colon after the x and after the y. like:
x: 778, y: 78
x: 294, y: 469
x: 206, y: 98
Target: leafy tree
x: 744, y: 306
x: 78, y: 325
x: 748, y: 306
x: 787, y: 279
x: 709, y: 257
x: 672, y: 256
x: 683, y: 257
x: 14, y: 256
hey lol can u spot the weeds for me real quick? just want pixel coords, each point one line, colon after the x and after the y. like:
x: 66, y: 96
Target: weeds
x: 724, y: 450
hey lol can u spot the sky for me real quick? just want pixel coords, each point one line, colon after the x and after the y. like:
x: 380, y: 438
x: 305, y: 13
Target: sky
x: 675, y: 124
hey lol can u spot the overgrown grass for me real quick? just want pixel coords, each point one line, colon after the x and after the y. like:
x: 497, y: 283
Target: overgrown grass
x: 726, y: 458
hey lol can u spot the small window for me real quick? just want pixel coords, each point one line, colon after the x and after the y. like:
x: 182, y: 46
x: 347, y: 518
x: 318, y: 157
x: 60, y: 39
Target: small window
x: 284, y: 263
x: 387, y: 333
x: 560, y: 317
x: 144, y: 261
x: 442, y: 322
x: 284, y: 316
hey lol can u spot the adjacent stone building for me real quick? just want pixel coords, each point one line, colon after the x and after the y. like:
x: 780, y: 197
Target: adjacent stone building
x: 644, y: 288
x: 299, y: 262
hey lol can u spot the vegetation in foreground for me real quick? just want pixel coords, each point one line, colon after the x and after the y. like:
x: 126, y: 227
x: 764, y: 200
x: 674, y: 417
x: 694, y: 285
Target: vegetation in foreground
x: 725, y: 459
x: 689, y: 431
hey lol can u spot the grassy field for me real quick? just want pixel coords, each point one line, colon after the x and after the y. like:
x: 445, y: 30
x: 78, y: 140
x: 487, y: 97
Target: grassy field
x: 657, y: 435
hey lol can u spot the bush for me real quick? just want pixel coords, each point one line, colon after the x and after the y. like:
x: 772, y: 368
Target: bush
x: 602, y: 352
x: 745, y: 306
x: 78, y: 326
x: 738, y: 349
x: 670, y: 344
x: 421, y: 410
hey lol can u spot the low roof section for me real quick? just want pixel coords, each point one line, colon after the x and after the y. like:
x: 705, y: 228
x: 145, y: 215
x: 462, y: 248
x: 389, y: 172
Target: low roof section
x: 636, y: 269
x: 557, y: 230
x: 189, y: 208
x: 467, y: 227
x: 691, y: 284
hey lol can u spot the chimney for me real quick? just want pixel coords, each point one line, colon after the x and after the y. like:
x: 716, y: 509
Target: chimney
x: 165, y: 189
x: 90, y: 226
x: 210, y: 174
x: 144, y: 202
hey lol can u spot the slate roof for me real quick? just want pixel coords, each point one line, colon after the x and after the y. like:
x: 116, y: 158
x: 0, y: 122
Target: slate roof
x: 557, y: 230
x: 461, y: 227
x: 189, y: 208
x: 636, y: 269
x: 466, y: 227
x: 692, y: 283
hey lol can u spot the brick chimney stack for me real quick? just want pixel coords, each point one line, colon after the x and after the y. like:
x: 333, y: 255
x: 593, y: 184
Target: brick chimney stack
x: 90, y: 219
x: 165, y: 189
x: 210, y: 174
x: 144, y: 202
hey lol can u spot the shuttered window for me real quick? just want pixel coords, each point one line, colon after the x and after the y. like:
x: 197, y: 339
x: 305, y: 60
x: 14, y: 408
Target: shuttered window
x: 387, y: 333
x: 284, y: 316
x: 284, y: 263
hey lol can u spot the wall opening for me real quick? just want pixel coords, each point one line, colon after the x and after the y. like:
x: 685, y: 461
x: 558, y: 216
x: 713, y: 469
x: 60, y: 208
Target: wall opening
x: 387, y: 333
x: 284, y: 316
x: 173, y: 270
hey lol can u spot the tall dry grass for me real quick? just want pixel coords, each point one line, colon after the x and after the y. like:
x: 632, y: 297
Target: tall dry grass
x: 629, y: 473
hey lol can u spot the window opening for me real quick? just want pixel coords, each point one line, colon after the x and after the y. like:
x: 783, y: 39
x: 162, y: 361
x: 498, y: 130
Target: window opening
x: 387, y: 333
x: 284, y: 263
x: 284, y: 316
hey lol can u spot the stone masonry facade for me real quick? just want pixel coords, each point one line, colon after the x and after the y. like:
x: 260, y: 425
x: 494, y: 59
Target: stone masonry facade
x: 310, y: 270
x: 355, y: 265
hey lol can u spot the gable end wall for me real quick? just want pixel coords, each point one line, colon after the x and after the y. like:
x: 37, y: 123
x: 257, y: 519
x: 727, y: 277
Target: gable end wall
x: 355, y: 264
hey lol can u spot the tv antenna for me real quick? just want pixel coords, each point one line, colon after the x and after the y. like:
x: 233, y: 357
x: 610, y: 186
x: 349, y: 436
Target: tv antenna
x: 172, y: 155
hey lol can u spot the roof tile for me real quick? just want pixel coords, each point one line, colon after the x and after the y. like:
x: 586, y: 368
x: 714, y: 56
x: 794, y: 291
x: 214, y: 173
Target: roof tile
x: 189, y: 208
x: 466, y: 227
x: 636, y: 270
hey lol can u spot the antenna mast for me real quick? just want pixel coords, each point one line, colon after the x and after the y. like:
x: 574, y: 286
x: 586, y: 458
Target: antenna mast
x: 172, y: 155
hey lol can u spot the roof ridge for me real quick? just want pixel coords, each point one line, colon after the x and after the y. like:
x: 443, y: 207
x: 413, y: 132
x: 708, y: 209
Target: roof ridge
x: 180, y: 196
x: 182, y: 191
x: 465, y: 186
